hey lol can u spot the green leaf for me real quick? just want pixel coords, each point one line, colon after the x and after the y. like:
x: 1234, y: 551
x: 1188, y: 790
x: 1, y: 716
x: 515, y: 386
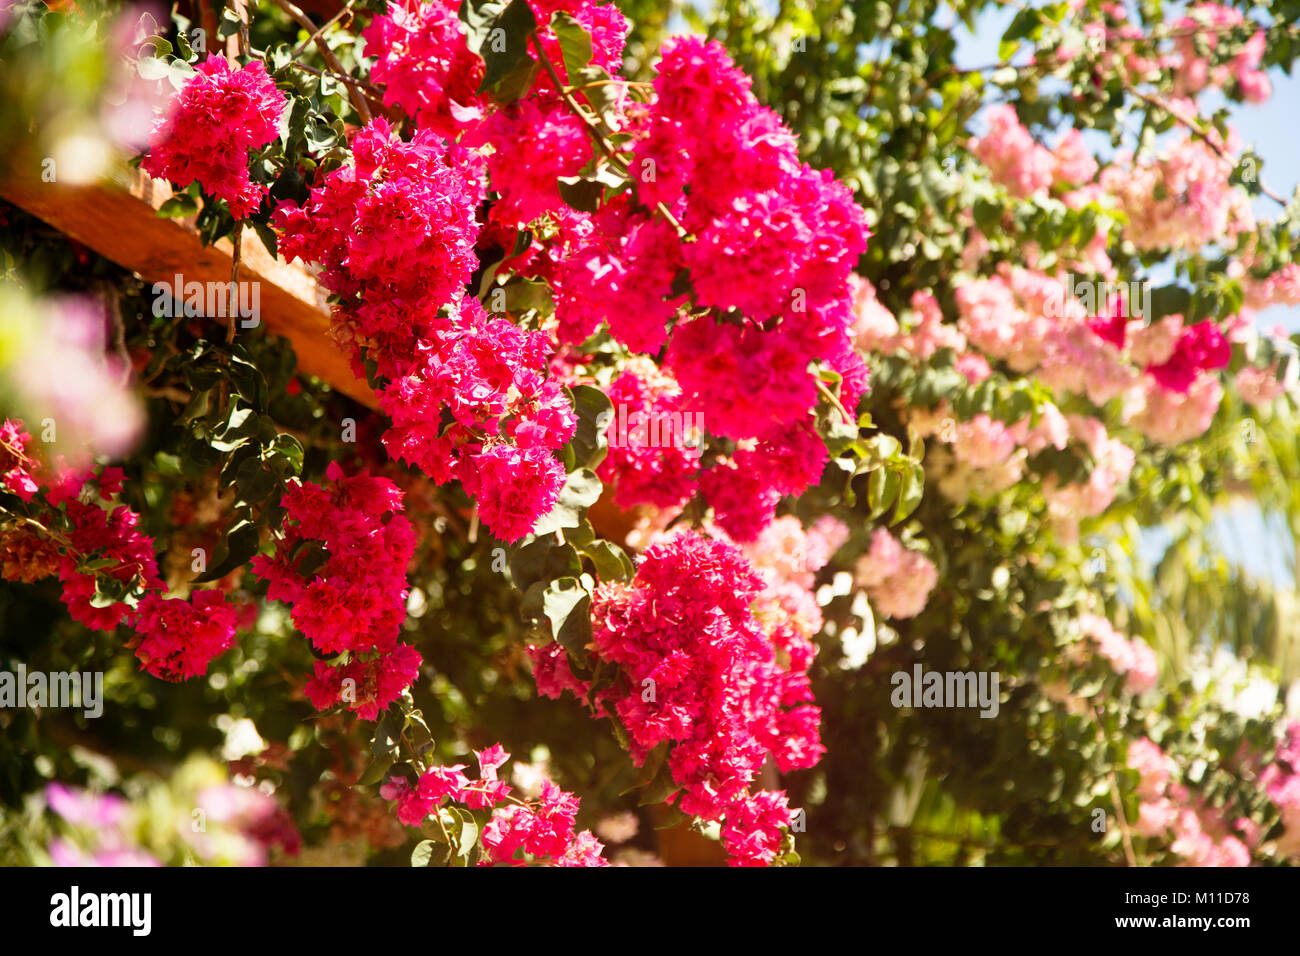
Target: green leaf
x: 516, y: 84
x: 241, y: 543
x: 420, y: 736
x: 1169, y: 299
x: 542, y: 559
x: 468, y: 832
x: 673, y: 818
x: 267, y: 235
x: 229, y: 25
x: 595, y: 413
x: 98, y: 564
x: 612, y: 563
x: 384, y: 750
x: 604, y: 96
x: 581, y: 194
x: 575, y: 44
x: 375, y: 770
x: 524, y: 295
x: 161, y: 46
x: 479, y: 16
x: 567, y: 605
x: 579, y: 493
x: 581, y: 536
x: 660, y: 789
x: 910, y: 492
x: 500, y: 40
x: 430, y: 853
x: 882, y: 490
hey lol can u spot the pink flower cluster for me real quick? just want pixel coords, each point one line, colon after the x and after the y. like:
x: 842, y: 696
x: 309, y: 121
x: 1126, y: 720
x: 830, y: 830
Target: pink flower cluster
x: 534, y: 142
x: 539, y: 831
x: 175, y: 639
x: 1196, y: 833
x: 341, y: 565
x: 774, y: 238
x: 618, y: 268
x: 1200, y: 348
x: 983, y: 442
x: 745, y: 488
x: 1203, y: 26
x: 210, y: 126
x: 426, y: 69
x: 424, y: 66
x: 1180, y: 393
x: 1281, y: 781
x: 787, y: 551
x: 106, y: 817
x: 701, y: 675
x: 241, y: 825
x: 985, y: 458
x: 898, y: 580
x: 69, y: 374
x: 1112, y: 463
x: 1029, y: 320
x: 178, y: 638
x: 875, y: 329
x: 1133, y: 659
x: 989, y: 456
x: 255, y: 820
x: 1258, y: 386
x: 1280, y: 288
x: 395, y: 233
x: 639, y: 472
x: 1024, y: 166
x: 1171, y: 417
x: 1164, y: 371
x: 752, y: 830
x: 506, y: 417
x: 1180, y: 199
x: 18, y: 468
x: 774, y: 246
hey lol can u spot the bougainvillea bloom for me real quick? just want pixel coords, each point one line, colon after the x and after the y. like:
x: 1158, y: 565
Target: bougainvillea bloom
x: 210, y: 126
x: 341, y: 566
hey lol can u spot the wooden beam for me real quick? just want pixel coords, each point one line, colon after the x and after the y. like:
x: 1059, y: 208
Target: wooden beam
x: 118, y: 220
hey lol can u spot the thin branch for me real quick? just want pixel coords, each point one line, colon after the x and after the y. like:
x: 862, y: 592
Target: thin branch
x: 328, y: 23
x: 1201, y: 134
x: 613, y: 155
x: 358, y: 102
x: 113, y: 307
x: 368, y: 88
x: 232, y: 312
x: 834, y: 400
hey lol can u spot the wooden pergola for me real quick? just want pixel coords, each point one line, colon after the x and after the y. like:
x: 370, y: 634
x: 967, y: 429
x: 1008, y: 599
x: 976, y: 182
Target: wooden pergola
x: 118, y: 219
